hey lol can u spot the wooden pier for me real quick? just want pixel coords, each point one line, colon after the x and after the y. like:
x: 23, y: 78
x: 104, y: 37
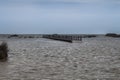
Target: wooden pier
x: 67, y: 38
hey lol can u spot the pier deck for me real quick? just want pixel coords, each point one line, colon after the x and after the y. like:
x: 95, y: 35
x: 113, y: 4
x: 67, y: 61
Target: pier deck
x: 66, y: 38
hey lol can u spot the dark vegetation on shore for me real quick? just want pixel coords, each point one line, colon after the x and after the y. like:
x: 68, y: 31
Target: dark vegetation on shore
x: 3, y: 51
x: 21, y: 36
x: 112, y: 35
x: 33, y: 36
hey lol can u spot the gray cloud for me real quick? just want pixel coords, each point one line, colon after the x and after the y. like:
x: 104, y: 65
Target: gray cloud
x: 59, y: 16
x: 61, y: 1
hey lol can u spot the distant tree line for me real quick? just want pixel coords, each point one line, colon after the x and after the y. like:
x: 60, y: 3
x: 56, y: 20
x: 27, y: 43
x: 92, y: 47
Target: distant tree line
x: 112, y: 35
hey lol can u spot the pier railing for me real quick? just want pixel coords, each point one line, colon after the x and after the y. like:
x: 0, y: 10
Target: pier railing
x: 67, y: 38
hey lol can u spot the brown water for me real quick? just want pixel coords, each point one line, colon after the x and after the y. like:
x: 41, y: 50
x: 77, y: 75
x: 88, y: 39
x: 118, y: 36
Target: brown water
x: 42, y: 59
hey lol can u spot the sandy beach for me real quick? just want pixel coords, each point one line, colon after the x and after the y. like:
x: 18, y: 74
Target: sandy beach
x: 44, y: 59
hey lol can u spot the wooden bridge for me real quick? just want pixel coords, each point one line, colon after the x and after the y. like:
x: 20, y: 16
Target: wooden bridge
x: 67, y: 38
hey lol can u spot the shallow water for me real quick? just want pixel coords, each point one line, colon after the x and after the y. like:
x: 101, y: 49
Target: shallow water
x: 44, y: 59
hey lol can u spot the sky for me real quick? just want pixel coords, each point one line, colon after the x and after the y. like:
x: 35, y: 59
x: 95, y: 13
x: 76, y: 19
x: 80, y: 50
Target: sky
x: 59, y: 16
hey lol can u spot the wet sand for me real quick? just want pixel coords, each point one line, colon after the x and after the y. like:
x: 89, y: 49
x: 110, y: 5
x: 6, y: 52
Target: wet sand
x: 44, y: 59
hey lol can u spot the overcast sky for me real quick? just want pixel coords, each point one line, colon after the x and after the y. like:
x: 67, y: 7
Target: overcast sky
x: 59, y: 16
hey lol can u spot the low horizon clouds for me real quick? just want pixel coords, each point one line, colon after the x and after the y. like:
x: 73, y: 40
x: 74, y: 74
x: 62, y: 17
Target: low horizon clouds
x: 59, y: 16
x: 64, y: 1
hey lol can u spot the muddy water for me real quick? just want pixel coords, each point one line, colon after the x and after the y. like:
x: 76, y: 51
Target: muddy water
x: 42, y: 59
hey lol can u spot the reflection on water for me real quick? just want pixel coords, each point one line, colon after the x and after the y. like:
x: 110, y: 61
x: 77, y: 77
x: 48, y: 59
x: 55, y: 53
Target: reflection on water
x: 43, y: 59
